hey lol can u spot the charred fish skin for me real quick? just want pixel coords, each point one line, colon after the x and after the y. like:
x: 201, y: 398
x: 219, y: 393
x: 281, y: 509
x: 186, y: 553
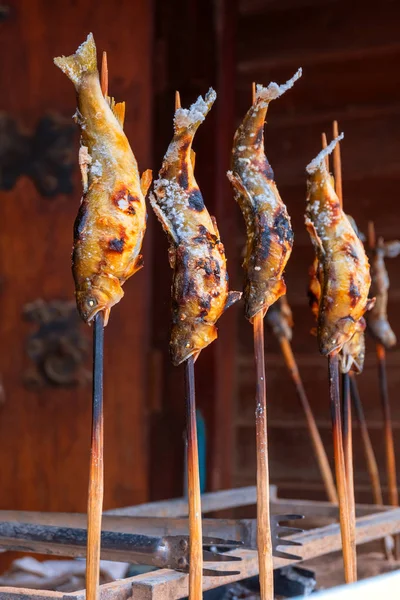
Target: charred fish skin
x: 200, y: 279
x: 268, y: 227
x: 343, y: 265
x: 377, y: 318
x: 111, y: 220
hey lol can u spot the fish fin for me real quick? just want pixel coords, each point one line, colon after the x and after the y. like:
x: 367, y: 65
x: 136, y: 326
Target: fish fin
x: 165, y: 223
x: 214, y: 222
x: 232, y: 298
x: 145, y: 181
x: 84, y: 160
x: 370, y: 303
x: 82, y: 63
x: 119, y: 112
x: 134, y: 267
x: 244, y: 200
x: 193, y: 157
x: 392, y: 249
x: 315, y: 239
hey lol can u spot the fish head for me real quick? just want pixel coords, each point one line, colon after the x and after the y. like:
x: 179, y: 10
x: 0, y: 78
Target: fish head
x: 332, y: 337
x: 188, y: 338
x: 98, y: 295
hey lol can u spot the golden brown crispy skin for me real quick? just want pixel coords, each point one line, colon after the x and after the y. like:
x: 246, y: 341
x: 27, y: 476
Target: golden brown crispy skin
x: 343, y: 265
x: 314, y: 290
x: 269, y: 232
x: 280, y: 318
x: 200, y: 280
x: 377, y: 317
x: 111, y: 221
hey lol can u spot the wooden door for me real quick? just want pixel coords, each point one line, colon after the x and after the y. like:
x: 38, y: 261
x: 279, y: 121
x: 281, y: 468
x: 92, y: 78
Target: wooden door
x: 45, y: 426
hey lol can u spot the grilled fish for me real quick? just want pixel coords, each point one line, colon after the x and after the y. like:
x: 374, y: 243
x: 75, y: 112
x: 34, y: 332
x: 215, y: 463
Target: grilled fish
x: 377, y: 318
x: 268, y: 228
x: 200, y: 280
x: 111, y: 220
x: 343, y: 267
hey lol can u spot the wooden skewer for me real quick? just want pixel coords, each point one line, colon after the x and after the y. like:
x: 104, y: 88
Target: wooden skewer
x: 370, y: 457
x: 347, y: 432
x: 193, y: 475
x: 194, y: 499
x: 264, y: 538
x: 319, y: 449
x: 341, y: 480
x: 337, y: 165
x: 96, y: 469
x: 348, y: 461
x: 104, y: 75
x: 387, y: 418
x: 372, y: 465
x: 390, y: 454
x: 264, y: 543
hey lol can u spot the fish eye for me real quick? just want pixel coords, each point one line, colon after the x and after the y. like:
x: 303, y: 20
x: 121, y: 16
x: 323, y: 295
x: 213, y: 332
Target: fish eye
x: 92, y: 302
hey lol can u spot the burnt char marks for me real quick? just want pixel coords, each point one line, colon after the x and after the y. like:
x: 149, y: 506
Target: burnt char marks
x: 196, y: 200
x: 263, y: 238
x: 282, y: 226
x: 81, y: 220
x: 350, y: 251
x: 125, y: 201
x: 354, y: 293
x: 116, y: 245
x: 205, y: 237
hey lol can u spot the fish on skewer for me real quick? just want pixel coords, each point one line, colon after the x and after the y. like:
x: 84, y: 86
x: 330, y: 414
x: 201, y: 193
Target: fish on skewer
x: 385, y: 338
x: 268, y: 227
x: 343, y: 274
x: 108, y: 235
x: 196, y: 254
x: 268, y: 248
x: 199, y: 287
x: 111, y: 221
x: 343, y: 267
x: 377, y: 318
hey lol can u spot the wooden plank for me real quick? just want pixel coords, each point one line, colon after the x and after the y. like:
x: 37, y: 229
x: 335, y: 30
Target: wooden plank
x: 308, y: 33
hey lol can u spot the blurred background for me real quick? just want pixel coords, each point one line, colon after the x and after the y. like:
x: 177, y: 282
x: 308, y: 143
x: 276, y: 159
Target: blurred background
x: 349, y: 52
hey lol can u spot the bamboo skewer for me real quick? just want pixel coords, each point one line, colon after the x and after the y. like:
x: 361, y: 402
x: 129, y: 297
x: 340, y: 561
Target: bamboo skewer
x: 346, y: 486
x: 193, y: 475
x: 316, y: 440
x: 372, y: 465
x: 387, y: 418
x: 390, y: 453
x: 96, y: 469
x: 264, y: 543
x: 193, y: 478
x: 341, y: 479
x: 348, y: 452
x: 264, y: 538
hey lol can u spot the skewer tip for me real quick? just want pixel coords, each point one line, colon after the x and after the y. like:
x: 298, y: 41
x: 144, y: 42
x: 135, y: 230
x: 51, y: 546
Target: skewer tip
x: 177, y: 100
x: 104, y: 75
x: 253, y: 92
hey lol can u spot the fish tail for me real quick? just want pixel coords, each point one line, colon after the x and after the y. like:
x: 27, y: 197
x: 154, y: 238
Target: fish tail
x: 190, y: 118
x: 79, y: 65
x: 319, y: 161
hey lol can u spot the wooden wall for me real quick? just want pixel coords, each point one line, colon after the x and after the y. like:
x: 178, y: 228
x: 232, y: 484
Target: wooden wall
x: 45, y: 434
x: 349, y: 53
